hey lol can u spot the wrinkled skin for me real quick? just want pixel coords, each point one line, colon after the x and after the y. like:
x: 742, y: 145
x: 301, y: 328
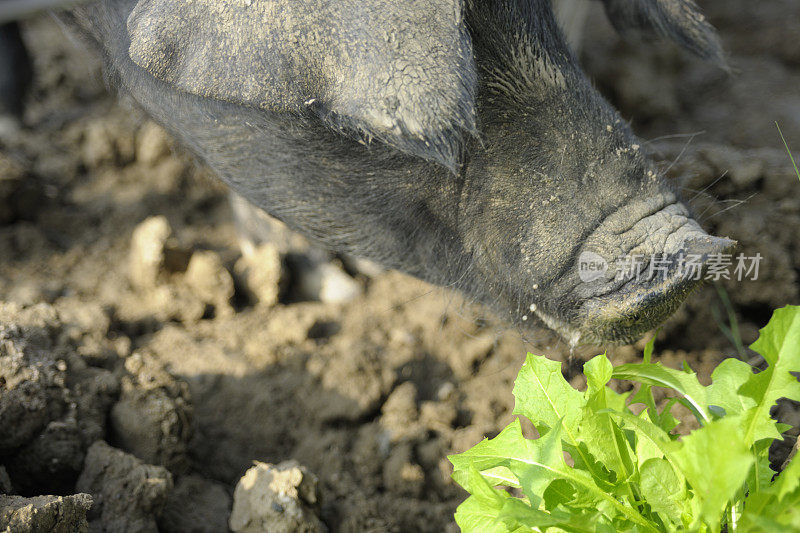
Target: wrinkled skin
x: 459, y: 143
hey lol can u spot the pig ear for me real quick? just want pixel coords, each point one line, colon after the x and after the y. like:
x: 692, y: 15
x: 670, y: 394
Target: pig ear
x: 397, y: 72
x: 679, y: 20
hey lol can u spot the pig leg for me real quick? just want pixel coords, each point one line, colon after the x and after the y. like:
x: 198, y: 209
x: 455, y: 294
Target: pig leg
x: 314, y: 275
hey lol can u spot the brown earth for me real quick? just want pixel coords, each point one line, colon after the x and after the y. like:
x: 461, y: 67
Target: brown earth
x: 151, y: 338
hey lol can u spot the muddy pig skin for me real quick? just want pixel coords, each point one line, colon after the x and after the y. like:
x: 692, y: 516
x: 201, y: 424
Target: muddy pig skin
x: 456, y: 140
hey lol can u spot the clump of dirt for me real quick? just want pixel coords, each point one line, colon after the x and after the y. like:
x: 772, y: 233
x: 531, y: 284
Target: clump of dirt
x: 279, y: 498
x: 54, y: 514
x: 131, y: 316
x: 153, y: 417
x: 128, y: 494
x: 53, y: 405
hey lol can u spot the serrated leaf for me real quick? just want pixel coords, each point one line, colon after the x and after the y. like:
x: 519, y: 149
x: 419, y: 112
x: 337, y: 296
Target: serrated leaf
x: 485, y: 509
x: 482, y: 490
x: 598, y: 371
x: 606, y: 442
x: 776, y: 507
x: 476, y: 516
x: 535, y: 463
x: 602, y: 435
x: 646, y: 429
x: 779, y: 345
x: 780, y: 338
x: 657, y: 375
x: 544, y: 397
x: 481, y: 510
x: 715, y: 460
x: 583, y: 460
x: 788, y: 481
x: 516, y: 512
x: 727, y: 380
x: 646, y: 449
x: 662, y: 489
x: 761, y: 474
x: 663, y: 419
x: 645, y: 393
x: 560, y: 492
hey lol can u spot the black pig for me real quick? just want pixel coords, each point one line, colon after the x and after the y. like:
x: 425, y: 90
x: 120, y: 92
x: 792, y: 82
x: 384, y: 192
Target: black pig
x: 456, y: 140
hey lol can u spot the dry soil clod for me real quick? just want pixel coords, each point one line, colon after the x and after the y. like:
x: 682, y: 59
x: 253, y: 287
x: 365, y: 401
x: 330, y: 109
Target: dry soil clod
x: 210, y: 281
x: 260, y: 273
x: 153, y: 418
x: 147, y: 255
x: 128, y: 494
x: 276, y: 498
x: 53, y: 514
x: 54, y: 404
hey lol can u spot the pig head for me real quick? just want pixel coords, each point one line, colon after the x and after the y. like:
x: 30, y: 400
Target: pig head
x: 458, y: 141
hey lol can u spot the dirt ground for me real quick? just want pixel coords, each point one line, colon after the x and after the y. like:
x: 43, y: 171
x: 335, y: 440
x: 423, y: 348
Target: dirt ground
x: 155, y: 335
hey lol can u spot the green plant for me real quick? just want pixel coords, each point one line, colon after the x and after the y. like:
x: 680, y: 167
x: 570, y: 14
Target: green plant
x: 730, y: 330
x: 630, y: 472
x: 796, y: 170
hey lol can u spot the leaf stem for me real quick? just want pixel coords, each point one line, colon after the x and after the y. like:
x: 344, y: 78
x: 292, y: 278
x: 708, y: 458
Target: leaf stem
x: 796, y: 170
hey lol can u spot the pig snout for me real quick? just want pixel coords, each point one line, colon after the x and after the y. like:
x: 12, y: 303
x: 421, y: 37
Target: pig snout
x: 635, y: 270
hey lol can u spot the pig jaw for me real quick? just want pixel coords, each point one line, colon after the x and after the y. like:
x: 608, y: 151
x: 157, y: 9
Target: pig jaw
x: 630, y: 277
